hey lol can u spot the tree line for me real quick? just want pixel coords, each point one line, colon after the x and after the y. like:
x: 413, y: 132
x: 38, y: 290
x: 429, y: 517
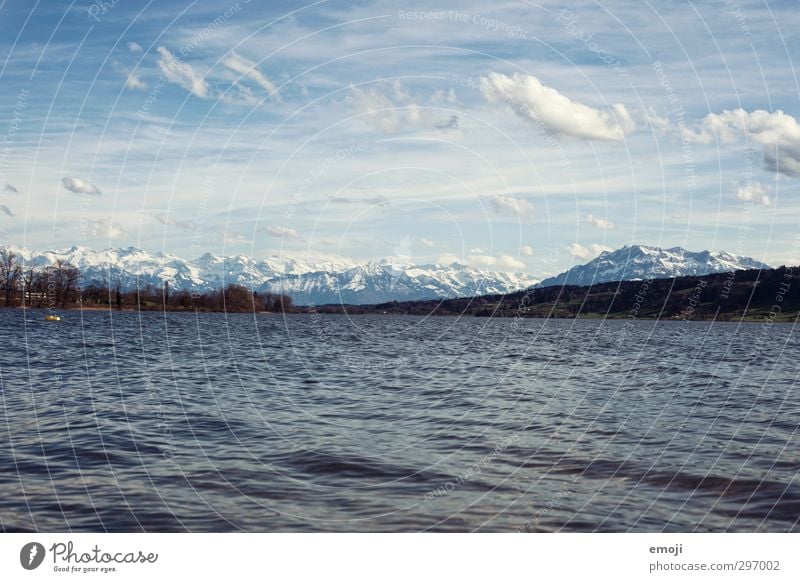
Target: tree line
x: 739, y: 295
x: 61, y: 286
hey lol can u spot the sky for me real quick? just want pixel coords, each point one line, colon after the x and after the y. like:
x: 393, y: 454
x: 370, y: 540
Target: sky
x: 512, y: 136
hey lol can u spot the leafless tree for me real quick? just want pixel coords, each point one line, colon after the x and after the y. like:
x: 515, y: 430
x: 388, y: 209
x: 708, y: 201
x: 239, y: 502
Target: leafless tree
x: 63, y: 279
x: 10, y: 275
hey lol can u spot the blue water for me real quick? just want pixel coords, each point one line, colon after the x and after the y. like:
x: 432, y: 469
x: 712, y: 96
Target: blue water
x: 183, y: 422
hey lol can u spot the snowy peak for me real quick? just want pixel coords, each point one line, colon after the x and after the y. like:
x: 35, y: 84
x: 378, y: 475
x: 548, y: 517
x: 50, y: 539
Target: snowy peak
x: 382, y: 281
x: 371, y: 282
x: 307, y: 283
x: 633, y: 262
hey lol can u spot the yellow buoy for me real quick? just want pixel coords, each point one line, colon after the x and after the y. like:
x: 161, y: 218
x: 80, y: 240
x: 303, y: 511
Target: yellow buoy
x: 52, y: 318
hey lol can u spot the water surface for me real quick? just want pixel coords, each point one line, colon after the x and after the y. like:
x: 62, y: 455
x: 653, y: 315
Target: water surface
x: 183, y: 422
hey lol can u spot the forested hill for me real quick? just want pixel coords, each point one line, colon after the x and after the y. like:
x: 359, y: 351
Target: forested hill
x: 772, y: 294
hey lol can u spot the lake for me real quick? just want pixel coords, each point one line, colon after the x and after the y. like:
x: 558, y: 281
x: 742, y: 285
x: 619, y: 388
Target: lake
x: 180, y: 422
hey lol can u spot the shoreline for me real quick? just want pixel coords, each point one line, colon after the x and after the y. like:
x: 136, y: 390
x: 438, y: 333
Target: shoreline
x: 759, y: 319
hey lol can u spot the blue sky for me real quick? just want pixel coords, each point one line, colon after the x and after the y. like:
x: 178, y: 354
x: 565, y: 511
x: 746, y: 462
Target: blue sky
x: 518, y: 136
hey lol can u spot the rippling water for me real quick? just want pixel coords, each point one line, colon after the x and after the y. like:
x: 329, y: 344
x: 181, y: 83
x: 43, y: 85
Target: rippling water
x: 154, y: 422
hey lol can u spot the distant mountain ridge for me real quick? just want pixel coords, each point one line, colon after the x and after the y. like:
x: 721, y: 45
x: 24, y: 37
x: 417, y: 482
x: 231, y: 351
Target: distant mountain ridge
x: 307, y: 283
x: 633, y: 262
x: 381, y: 282
x: 373, y: 282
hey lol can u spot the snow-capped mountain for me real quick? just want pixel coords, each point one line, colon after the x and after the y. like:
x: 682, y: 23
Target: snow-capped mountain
x: 636, y: 262
x: 307, y: 283
x: 382, y: 282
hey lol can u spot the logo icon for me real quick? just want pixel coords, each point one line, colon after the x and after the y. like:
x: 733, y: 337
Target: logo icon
x: 31, y: 555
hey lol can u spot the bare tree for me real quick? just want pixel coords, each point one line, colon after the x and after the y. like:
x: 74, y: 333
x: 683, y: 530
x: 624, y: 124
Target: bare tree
x: 237, y: 298
x: 10, y: 275
x: 28, y: 283
x: 118, y: 294
x: 63, y: 278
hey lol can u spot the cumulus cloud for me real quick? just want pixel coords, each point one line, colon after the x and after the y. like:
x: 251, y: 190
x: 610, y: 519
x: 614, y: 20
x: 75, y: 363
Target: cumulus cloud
x: 104, y: 228
x: 587, y: 253
x: 526, y: 250
x: 601, y: 223
x: 502, y: 262
x: 134, y: 47
x: 246, y: 68
x: 427, y: 243
x: 519, y: 207
x: 183, y: 74
x: 533, y: 101
x: 281, y: 232
x: 777, y: 133
x: 80, y: 186
x: 448, y: 259
x: 754, y: 192
x: 6, y: 210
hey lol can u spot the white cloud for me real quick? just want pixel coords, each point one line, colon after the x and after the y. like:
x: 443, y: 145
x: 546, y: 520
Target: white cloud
x: 503, y: 204
x: 526, y: 250
x: 587, y: 253
x: 234, y: 238
x: 239, y: 64
x: 400, y: 93
x: 104, y: 228
x: 378, y: 110
x: 134, y: 82
x: 80, y: 186
x: 394, y: 113
x: 6, y: 210
x: 182, y: 74
x: 502, y: 262
x: 167, y: 220
x: 281, y: 232
x: 427, y: 243
x: 448, y: 259
x: 439, y: 96
x: 600, y: 223
x: 755, y: 192
x: 652, y: 118
x: 777, y: 133
x: 241, y: 96
x: 533, y: 101
x: 134, y: 47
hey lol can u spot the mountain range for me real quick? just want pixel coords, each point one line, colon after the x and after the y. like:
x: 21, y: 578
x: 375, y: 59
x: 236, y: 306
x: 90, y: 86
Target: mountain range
x: 372, y: 282
x: 637, y: 262
x: 307, y: 283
